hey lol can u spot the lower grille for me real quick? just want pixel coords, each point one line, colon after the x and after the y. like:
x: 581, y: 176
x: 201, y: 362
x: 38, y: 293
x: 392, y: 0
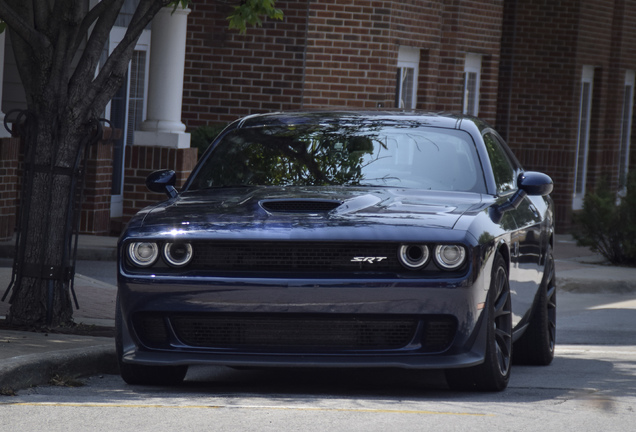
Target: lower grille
x: 315, y: 333
x: 300, y: 333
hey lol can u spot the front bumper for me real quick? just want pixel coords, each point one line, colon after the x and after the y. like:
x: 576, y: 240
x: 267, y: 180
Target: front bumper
x: 166, y: 301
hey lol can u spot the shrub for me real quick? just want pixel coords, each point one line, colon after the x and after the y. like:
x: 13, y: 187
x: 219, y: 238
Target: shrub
x: 607, y: 227
x: 202, y: 136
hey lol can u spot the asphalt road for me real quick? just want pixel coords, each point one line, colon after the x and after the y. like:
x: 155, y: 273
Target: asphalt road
x: 590, y: 386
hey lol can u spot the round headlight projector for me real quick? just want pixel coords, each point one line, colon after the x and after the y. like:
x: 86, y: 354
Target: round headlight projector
x: 143, y: 254
x: 450, y: 257
x: 177, y: 254
x: 413, y: 257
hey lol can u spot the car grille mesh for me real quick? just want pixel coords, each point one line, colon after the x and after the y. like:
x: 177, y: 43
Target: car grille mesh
x: 295, y: 257
x: 303, y: 333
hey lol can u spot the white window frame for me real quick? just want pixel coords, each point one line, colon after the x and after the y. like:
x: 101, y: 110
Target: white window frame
x: 143, y: 44
x: 408, y: 60
x: 472, y: 65
x: 583, y: 137
x: 626, y: 130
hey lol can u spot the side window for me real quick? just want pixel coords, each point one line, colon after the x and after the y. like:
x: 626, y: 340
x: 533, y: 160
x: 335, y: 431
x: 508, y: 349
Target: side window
x: 503, y: 170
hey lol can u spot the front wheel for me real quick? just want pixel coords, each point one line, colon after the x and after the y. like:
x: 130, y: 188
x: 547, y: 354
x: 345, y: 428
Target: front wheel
x: 536, y: 345
x: 142, y: 374
x: 494, y: 373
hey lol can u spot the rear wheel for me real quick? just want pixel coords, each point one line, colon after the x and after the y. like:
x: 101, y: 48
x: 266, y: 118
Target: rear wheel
x: 494, y: 373
x: 142, y: 374
x: 536, y: 346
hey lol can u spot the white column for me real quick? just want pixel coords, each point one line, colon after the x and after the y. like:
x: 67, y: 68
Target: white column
x: 163, y: 126
x: 3, y: 132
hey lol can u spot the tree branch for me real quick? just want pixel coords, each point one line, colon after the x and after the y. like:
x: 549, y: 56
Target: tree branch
x: 41, y: 17
x: 89, y: 19
x: 21, y: 27
x: 109, y: 78
x: 87, y: 64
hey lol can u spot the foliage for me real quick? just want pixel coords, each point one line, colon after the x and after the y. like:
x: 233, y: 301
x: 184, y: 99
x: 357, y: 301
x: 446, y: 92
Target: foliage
x: 249, y: 12
x: 202, y: 136
x: 607, y: 227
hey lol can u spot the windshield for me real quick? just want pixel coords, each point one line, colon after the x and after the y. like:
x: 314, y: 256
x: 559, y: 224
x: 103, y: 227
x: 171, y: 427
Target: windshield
x: 395, y: 155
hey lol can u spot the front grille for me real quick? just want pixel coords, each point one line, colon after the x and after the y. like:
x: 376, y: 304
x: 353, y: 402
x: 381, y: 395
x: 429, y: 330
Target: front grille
x: 295, y: 257
x: 319, y: 333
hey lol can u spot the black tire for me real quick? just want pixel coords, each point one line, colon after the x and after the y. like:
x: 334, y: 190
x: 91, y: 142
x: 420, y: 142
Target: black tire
x: 536, y: 345
x: 494, y: 373
x: 141, y: 374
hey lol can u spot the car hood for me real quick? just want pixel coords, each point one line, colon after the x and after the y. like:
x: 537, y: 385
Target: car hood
x: 310, y: 207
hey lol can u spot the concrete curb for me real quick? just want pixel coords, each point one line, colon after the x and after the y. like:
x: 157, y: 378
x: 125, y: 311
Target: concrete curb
x: 35, y: 369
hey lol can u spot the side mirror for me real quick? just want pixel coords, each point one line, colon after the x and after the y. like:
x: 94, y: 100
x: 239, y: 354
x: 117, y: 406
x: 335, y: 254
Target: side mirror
x: 529, y: 183
x: 535, y: 183
x: 163, y: 181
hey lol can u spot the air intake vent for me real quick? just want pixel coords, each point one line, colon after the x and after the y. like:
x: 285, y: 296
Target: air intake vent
x: 300, y: 206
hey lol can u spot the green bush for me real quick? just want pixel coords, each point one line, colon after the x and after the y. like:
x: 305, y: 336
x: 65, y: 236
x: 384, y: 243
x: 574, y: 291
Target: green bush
x: 202, y: 136
x: 607, y: 227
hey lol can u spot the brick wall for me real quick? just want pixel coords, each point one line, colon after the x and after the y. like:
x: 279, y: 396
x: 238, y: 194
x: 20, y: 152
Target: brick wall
x: 143, y: 160
x: 95, y: 216
x: 469, y: 27
x: 9, y: 180
x: 228, y: 75
x: 337, y: 53
x: 351, y: 57
x: 544, y: 48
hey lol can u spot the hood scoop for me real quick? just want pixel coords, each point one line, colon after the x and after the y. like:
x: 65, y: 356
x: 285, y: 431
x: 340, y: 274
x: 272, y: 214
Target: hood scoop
x: 300, y: 205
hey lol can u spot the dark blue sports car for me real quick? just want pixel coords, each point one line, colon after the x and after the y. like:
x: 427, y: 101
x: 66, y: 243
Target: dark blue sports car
x: 343, y: 239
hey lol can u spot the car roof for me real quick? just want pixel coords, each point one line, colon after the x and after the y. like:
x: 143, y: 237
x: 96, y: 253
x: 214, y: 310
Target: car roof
x: 434, y: 119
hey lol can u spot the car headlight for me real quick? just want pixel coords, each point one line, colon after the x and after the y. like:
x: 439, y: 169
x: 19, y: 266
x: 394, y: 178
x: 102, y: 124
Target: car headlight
x: 143, y: 254
x: 413, y: 257
x: 177, y: 254
x: 450, y: 257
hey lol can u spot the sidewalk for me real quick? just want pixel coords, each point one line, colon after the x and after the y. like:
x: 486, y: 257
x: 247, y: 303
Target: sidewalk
x: 28, y: 358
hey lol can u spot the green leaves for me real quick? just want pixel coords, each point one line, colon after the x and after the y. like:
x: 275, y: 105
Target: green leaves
x: 607, y: 227
x: 249, y: 12
x: 183, y: 3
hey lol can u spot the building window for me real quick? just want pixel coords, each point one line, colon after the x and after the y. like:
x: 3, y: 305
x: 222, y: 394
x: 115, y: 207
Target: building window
x: 127, y: 110
x: 626, y: 130
x: 406, y: 81
x: 472, y: 78
x: 583, y: 137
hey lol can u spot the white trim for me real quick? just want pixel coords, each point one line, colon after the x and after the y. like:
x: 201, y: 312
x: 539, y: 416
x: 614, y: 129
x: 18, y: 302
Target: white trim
x: 583, y: 141
x: 626, y: 129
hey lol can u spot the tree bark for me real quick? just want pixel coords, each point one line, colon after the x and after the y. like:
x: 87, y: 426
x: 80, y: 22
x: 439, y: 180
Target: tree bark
x: 43, y: 259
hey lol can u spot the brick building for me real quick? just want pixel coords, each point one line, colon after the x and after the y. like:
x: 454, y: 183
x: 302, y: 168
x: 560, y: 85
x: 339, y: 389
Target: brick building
x: 555, y: 78
x: 566, y: 93
x: 342, y: 54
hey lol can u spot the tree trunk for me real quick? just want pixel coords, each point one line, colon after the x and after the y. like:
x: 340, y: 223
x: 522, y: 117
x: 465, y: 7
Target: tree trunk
x: 43, y: 261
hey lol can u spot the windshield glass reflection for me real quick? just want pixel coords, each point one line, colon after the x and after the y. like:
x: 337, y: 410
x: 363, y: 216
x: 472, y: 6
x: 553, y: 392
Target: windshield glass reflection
x: 365, y: 154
